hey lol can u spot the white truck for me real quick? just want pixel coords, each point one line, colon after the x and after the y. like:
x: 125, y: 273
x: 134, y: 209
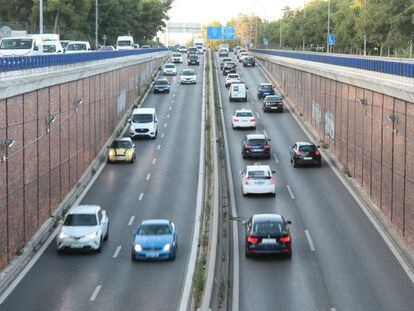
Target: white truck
x: 199, y: 44
x: 28, y: 45
x: 125, y: 43
x: 225, y: 46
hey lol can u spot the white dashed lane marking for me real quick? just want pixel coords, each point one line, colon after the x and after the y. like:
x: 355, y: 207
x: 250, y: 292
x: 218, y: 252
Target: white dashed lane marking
x: 95, y: 293
x: 148, y: 176
x: 290, y: 192
x: 168, y: 116
x: 153, y: 161
x: 275, y: 157
x: 141, y: 196
x: 165, y: 124
x: 311, y: 245
x: 118, y: 249
x: 162, y: 135
x: 131, y: 220
x: 158, y: 147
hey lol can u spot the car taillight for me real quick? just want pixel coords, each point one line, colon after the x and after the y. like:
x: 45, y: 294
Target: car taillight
x: 246, y: 180
x: 247, y: 147
x: 252, y: 239
x: 273, y: 180
x: 253, y: 120
x: 236, y: 119
x: 266, y: 147
x: 317, y: 152
x: 285, y: 239
x: 297, y: 152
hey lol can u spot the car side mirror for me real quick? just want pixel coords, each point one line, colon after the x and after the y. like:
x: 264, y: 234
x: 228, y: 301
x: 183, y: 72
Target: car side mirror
x: 240, y: 172
x: 288, y: 222
x: 273, y: 172
x: 129, y: 121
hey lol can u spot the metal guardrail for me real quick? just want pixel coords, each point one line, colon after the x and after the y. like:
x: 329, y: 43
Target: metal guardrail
x: 404, y: 69
x: 13, y: 63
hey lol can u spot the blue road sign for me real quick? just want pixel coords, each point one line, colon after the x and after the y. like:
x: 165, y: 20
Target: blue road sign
x: 331, y: 39
x: 247, y: 42
x: 214, y: 33
x: 228, y: 33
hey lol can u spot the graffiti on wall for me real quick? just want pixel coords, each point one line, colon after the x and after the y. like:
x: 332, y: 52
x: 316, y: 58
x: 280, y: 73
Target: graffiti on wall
x: 121, y: 103
x: 330, y: 126
x: 316, y: 113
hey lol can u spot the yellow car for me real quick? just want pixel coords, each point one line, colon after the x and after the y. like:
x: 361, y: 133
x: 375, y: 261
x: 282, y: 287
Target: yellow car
x: 122, y: 149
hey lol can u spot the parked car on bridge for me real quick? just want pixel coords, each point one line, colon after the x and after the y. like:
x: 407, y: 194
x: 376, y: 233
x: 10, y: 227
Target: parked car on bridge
x: 52, y: 47
x: 106, y: 48
x: 121, y: 150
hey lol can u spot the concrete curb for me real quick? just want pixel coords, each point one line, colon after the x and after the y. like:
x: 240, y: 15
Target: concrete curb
x: 48, y: 229
x: 391, y: 237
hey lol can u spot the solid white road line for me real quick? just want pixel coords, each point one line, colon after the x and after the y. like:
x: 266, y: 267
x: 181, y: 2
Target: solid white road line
x: 95, y: 293
x: 153, y: 161
x: 158, y: 147
x: 290, y: 192
x: 131, y: 220
x: 118, y: 249
x: 162, y: 135
x: 275, y: 157
x: 148, y: 176
x: 141, y: 196
x: 311, y: 245
x: 265, y: 133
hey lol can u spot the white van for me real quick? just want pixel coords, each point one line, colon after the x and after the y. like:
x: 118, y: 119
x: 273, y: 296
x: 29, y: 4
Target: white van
x: 144, y: 123
x: 77, y: 47
x: 125, y: 43
x: 238, y: 91
x: 52, y: 47
x: 20, y: 46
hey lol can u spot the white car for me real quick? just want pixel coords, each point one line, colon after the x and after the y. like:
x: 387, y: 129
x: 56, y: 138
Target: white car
x: 177, y: 58
x: 243, y: 118
x: 243, y: 56
x: 77, y: 47
x: 85, y: 228
x: 182, y: 48
x: 144, y: 123
x: 169, y: 69
x: 52, y: 47
x: 188, y: 76
x: 232, y: 78
x: 258, y: 179
x: 238, y: 91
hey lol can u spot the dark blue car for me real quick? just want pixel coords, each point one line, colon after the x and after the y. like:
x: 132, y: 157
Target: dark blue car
x: 155, y: 239
x: 265, y: 89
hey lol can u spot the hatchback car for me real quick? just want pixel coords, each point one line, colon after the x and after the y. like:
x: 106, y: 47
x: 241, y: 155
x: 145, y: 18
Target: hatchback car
x: 249, y: 62
x: 161, y: 86
x: 188, y: 76
x: 265, y: 89
x: 155, y: 239
x: 232, y: 78
x: 223, y: 53
x: 177, y: 58
x: 273, y: 103
x: 121, y: 149
x: 256, y: 146
x: 85, y: 228
x: 305, y: 153
x: 169, y: 69
x: 243, y: 119
x: 229, y: 67
x: 223, y: 61
x: 258, y: 179
x: 267, y: 234
x: 193, y: 59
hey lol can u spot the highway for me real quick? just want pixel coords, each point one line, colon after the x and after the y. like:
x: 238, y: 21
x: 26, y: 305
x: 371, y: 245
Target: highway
x: 339, y: 262
x: 162, y: 183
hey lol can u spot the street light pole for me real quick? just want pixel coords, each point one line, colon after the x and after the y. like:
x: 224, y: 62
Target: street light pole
x: 96, y: 24
x: 40, y: 16
x: 303, y: 39
x: 365, y: 28
x: 329, y: 21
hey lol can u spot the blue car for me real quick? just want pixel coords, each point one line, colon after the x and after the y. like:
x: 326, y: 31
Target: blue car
x: 265, y: 89
x: 155, y: 239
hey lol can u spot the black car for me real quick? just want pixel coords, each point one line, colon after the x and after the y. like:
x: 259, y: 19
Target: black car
x: 229, y: 67
x: 249, y: 62
x: 223, y: 61
x: 305, y: 153
x: 273, y: 103
x: 161, y: 86
x: 192, y: 50
x: 256, y: 146
x: 267, y: 234
x: 265, y: 89
x: 193, y: 59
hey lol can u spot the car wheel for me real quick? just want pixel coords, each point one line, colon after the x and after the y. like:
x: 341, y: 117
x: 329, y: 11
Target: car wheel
x: 254, y: 65
x: 295, y: 164
x: 230, y: 99
x: 99, y: 249
x: 155, y: 136
x: 245, y: 99
x: 108, y: 161
x: 132, y: 257
x: 107, y: 234
x: 172, y: 257
x: 168, y: 91
x: 132, y: 160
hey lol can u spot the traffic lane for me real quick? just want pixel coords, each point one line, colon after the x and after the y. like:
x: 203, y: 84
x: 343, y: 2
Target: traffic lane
x: 170, y: 193
x: 106, y: 192
x: 359, y: 269
x: 272, y: 279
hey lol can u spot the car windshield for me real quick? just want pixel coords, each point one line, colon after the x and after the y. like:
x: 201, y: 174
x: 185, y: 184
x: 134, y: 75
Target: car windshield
x: 259, y: 175
x: 16, y: 44
x: 161, y: 82
x: 257, y: 142
x: 266, y: 87
x: 142, y: 118
x: 49, y: 48
x: 273, y: 99
x: 188, y: 73
x: 244, y: 114
x: 230, y: 65
x: 76, y: 47
x: 124, y: 43
x: 307, y: 148
x: 121, y: 144
x: 154, y: 229
x: 176, y: 55
x: 268, y: 228
x: 192, y: 50
x: 170, y: 66
x: 74, y: 220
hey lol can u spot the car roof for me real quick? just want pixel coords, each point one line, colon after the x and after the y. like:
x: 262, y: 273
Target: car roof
x: 243, y: 110
x: 304, y: 143
x: 85, y: 209
x: 258, y: 167
x: 263, y: 84
x: 78, y: 42
x: 128, y: 139
x: 161, y: 79
x: 267, y: 217
x: 155, y: 222
x: 143, y: 110
x: 255, y: 136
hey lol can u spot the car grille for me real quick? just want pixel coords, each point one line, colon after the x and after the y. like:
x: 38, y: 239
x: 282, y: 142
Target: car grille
x: 142, y: 130
x: 152, y: 248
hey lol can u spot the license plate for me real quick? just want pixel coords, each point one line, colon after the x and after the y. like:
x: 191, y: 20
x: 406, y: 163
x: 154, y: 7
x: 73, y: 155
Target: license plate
x: 152, y: 255
x: 256, y: 150
x: 274, y: 108
x: 120, y: 157
x: 268, y: 241
x: 259, y: 182
x: 307, y: 158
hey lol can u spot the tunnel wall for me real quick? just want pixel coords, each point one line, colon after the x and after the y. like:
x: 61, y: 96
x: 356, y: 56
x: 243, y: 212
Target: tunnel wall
x: 377, y: 152
x: 48, y: 159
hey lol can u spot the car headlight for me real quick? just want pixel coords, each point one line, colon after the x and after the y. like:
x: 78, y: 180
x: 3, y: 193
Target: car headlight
x: 138, y: 248
x: 91, y: 235
x: 63, y: 235
x: 111, y: 152
x: 129, y: 153
x: 131, y: 127
x: 167, y: 247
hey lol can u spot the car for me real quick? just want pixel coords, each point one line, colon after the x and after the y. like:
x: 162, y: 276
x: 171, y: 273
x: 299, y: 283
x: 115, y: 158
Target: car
x: 188, y: 76
x: 256, y: 146
x: 223, y: 61
x: 302, y: 153
x: 249, y: 62
x: 238, y: 91
x: 229, y: 67
x: 146, y: 46
x: 85, y: 228
x: 265, y: 89
x: 273, y: 103
x: 121, y: 149
x: 236, y: 49
x: 223, y: 53
x: 155, y: 239
x: 52, y: 47
x: 182, y: 48
x: 169, y: 69
x: 232, y: 78
x: 177, y: 58
x: 258, y: 179
x: 192, y: 50
x: 144, y: 123
x: 243, y: 118
x: 239, y: 52
x: 193, y: 59
x: 77, y: 47
x: 161, y: 86
x: 243, y: 56
x: 106, y: 48
x: 125, y: 43
x: 267, y: 234
x: 200, y: 49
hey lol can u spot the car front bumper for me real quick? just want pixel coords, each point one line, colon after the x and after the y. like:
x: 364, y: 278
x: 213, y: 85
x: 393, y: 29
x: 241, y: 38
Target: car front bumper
x: 192, y: 81
x: 151, y: 133
x: 71, y: 243
x: 151, y: 255
x: 161, y: 90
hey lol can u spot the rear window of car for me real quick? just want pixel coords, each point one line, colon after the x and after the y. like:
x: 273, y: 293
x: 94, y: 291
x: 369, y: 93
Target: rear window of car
x: 257, y: 142
x: 273, y: 99
x: 142, y: 118
x: 244, y: 114
x: 307, y: 148
x: 266, y: 87
x: 233, y: 76
x: 121, y: 144
x: 152, y: 229
x: 259, y: 174
x: 176, y: 55
x: 230, y: 65
x: 268, y: 228
x: 170, y: 66
x: 75, y: 220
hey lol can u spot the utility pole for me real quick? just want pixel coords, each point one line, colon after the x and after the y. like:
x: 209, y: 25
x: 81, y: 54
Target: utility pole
x: 96, y: 24
x: 329, y: 21
x: 303, y: 26
x: 365, y: 27
x: 40, y: 16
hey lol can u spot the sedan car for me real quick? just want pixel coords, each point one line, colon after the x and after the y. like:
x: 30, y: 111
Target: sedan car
x: 258, y: 179
x: 273, y: 103
x: 161, y: 86
x: 223, y: 61
x: 256, y: 146
x: 169, y: 69
x: 305, y: 153
x: 177, y: 58
x: 265, y: 89
x: 249, y: 62
x: 267, y: 234
x: 229, y: 67
x: 155, y: 239
x: 243, y: 119
x: 121, y: 149
x: 232, y: 78
x: 85, y: 228
x: 188, y: 76
x: 239, y: 52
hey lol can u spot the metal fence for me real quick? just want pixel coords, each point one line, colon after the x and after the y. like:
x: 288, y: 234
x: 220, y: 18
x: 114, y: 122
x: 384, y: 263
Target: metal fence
x: 13, y: 63
x: 405, y: 69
